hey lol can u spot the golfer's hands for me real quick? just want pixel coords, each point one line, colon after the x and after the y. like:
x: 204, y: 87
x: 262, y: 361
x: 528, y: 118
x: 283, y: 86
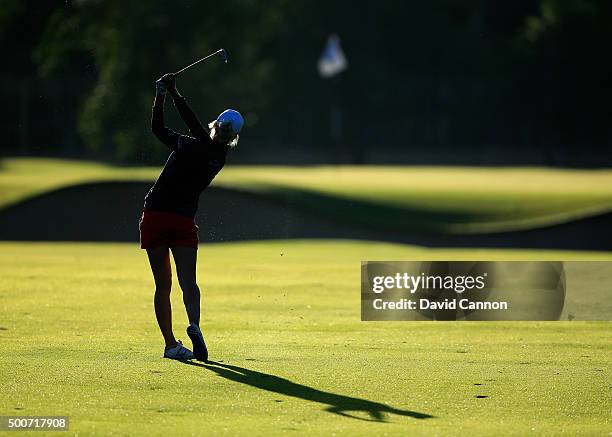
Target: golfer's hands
x: 166, y: 83
x: 160, y: 87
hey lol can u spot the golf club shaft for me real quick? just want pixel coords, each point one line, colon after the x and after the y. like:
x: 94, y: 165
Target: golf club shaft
x: 198, y: 61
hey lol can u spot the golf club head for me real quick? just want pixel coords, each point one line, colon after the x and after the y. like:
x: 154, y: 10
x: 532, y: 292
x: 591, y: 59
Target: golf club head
x: 222, y: 52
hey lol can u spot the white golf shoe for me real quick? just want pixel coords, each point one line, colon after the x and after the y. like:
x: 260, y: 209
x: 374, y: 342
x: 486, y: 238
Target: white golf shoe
x: 178, y: 352
x: 199, y: 346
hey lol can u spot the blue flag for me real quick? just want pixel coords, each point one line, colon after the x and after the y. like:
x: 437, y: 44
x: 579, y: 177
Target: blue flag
x: 332, y: 60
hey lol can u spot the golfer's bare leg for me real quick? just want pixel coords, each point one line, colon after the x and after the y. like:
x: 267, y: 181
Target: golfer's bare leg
x: 159, y: 258
x: 185, y: 260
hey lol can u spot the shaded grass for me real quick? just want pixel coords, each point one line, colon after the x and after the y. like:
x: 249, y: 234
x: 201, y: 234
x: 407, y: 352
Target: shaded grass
x: 79, y: 338
x: 439, y: 199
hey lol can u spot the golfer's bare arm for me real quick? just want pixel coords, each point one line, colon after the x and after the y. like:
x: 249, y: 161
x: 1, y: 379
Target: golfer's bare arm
x: 188, y: 116
x: 164, y: 134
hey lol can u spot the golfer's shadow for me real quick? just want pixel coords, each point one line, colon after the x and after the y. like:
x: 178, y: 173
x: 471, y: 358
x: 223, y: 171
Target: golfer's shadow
x: 338, y: 404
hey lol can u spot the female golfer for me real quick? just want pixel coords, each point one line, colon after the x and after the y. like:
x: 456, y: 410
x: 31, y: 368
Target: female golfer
x: 168, y: 223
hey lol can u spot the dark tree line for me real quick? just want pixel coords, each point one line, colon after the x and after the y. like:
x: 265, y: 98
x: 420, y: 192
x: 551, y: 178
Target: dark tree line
x: 426, y: 80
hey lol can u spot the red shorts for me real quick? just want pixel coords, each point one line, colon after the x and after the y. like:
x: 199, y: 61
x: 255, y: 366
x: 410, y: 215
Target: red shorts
x: 167, y: 229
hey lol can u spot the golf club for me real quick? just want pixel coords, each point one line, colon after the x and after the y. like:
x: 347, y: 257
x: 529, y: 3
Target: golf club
x: 222, y: 52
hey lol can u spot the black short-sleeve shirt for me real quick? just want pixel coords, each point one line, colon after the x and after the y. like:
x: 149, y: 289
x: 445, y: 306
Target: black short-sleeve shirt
x: 190, y: 168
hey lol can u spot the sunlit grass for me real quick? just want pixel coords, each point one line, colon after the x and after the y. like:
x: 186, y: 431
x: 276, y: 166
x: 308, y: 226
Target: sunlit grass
x: 78, y: 337
x: 443, y: 199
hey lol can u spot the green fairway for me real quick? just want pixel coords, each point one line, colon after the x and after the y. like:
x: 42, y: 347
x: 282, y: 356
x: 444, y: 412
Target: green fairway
x: 439, y: 199
x: 78, y: 337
